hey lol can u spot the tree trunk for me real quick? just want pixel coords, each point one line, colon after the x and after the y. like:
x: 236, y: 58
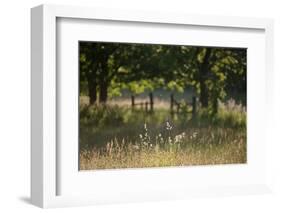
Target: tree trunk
x: 103, y: 81
x: 204, y: 96
x: 103, y: 92
x: 92, y: 87
x: 203, y: 93
x: 92, y: 84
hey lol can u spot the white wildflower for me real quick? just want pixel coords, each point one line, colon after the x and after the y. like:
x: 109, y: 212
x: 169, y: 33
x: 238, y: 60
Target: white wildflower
x: 170, y: 139
x: 194, y: 134
x: 145, y: 127
x: 168, y: 126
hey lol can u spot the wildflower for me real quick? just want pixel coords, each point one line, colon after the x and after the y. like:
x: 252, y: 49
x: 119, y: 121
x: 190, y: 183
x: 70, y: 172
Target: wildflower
x: 177, y: 139
x: 168, y: 126
x: 169, y: 139
x: 194, y: 134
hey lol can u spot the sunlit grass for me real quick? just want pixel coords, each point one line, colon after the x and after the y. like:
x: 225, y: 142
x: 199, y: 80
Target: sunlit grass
x: 195, y: 146
x: 114, y: 136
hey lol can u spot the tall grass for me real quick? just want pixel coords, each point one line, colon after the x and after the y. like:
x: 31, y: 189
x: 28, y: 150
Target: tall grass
x: 118, y: 137
x: 193, y: 147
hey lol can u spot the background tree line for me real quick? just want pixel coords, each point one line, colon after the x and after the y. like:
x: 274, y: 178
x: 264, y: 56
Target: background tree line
x: 108, y: 68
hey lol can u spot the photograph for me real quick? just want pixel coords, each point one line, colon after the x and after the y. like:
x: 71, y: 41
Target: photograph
x: 161, y: 105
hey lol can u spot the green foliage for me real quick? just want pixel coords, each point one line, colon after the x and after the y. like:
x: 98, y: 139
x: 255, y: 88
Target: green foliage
x: 137, y: 87
x: 104, y: 123
x: 109, y: 134
x: 173, y: 85
x: 111, y: 67
x: 229, y: 115
x: 101, y: 115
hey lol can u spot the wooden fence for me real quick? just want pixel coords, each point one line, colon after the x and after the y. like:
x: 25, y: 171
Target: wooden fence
x: 175, y: 106
x: 144, y: 104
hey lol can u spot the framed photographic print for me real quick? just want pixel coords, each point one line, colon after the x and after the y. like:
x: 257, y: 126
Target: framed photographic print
x: 129, y: 106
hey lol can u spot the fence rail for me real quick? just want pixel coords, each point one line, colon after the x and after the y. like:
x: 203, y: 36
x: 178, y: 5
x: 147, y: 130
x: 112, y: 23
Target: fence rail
x: 179, y: 105
x: 149, y: 103
x: 175, y: 106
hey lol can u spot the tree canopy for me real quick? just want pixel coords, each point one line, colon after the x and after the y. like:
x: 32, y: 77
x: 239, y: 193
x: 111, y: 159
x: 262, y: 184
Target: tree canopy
x: 108, y: 68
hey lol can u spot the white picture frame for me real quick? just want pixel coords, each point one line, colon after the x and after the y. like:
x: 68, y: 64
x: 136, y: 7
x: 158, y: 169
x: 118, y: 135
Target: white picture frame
x: 46, y: 165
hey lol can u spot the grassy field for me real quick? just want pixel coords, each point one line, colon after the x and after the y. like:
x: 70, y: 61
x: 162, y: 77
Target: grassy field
x: 115, y: 136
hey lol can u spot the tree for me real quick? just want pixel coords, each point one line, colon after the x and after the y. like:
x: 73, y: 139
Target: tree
x: 88, y: 69
x: 229, y: 69
x: 96, y: 68
x: 204, y: 67
x: 109, y: 67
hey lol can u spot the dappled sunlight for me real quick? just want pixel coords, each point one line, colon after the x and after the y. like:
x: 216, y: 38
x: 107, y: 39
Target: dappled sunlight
x: 154, y: 105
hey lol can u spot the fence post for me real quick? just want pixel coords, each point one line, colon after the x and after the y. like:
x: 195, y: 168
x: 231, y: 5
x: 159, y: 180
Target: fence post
x: 146, y: 106
x: 133, y: 101
x: 194, y: 107
x: 178, y: 107
x: 151, y: 101
x: 172, y: 103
